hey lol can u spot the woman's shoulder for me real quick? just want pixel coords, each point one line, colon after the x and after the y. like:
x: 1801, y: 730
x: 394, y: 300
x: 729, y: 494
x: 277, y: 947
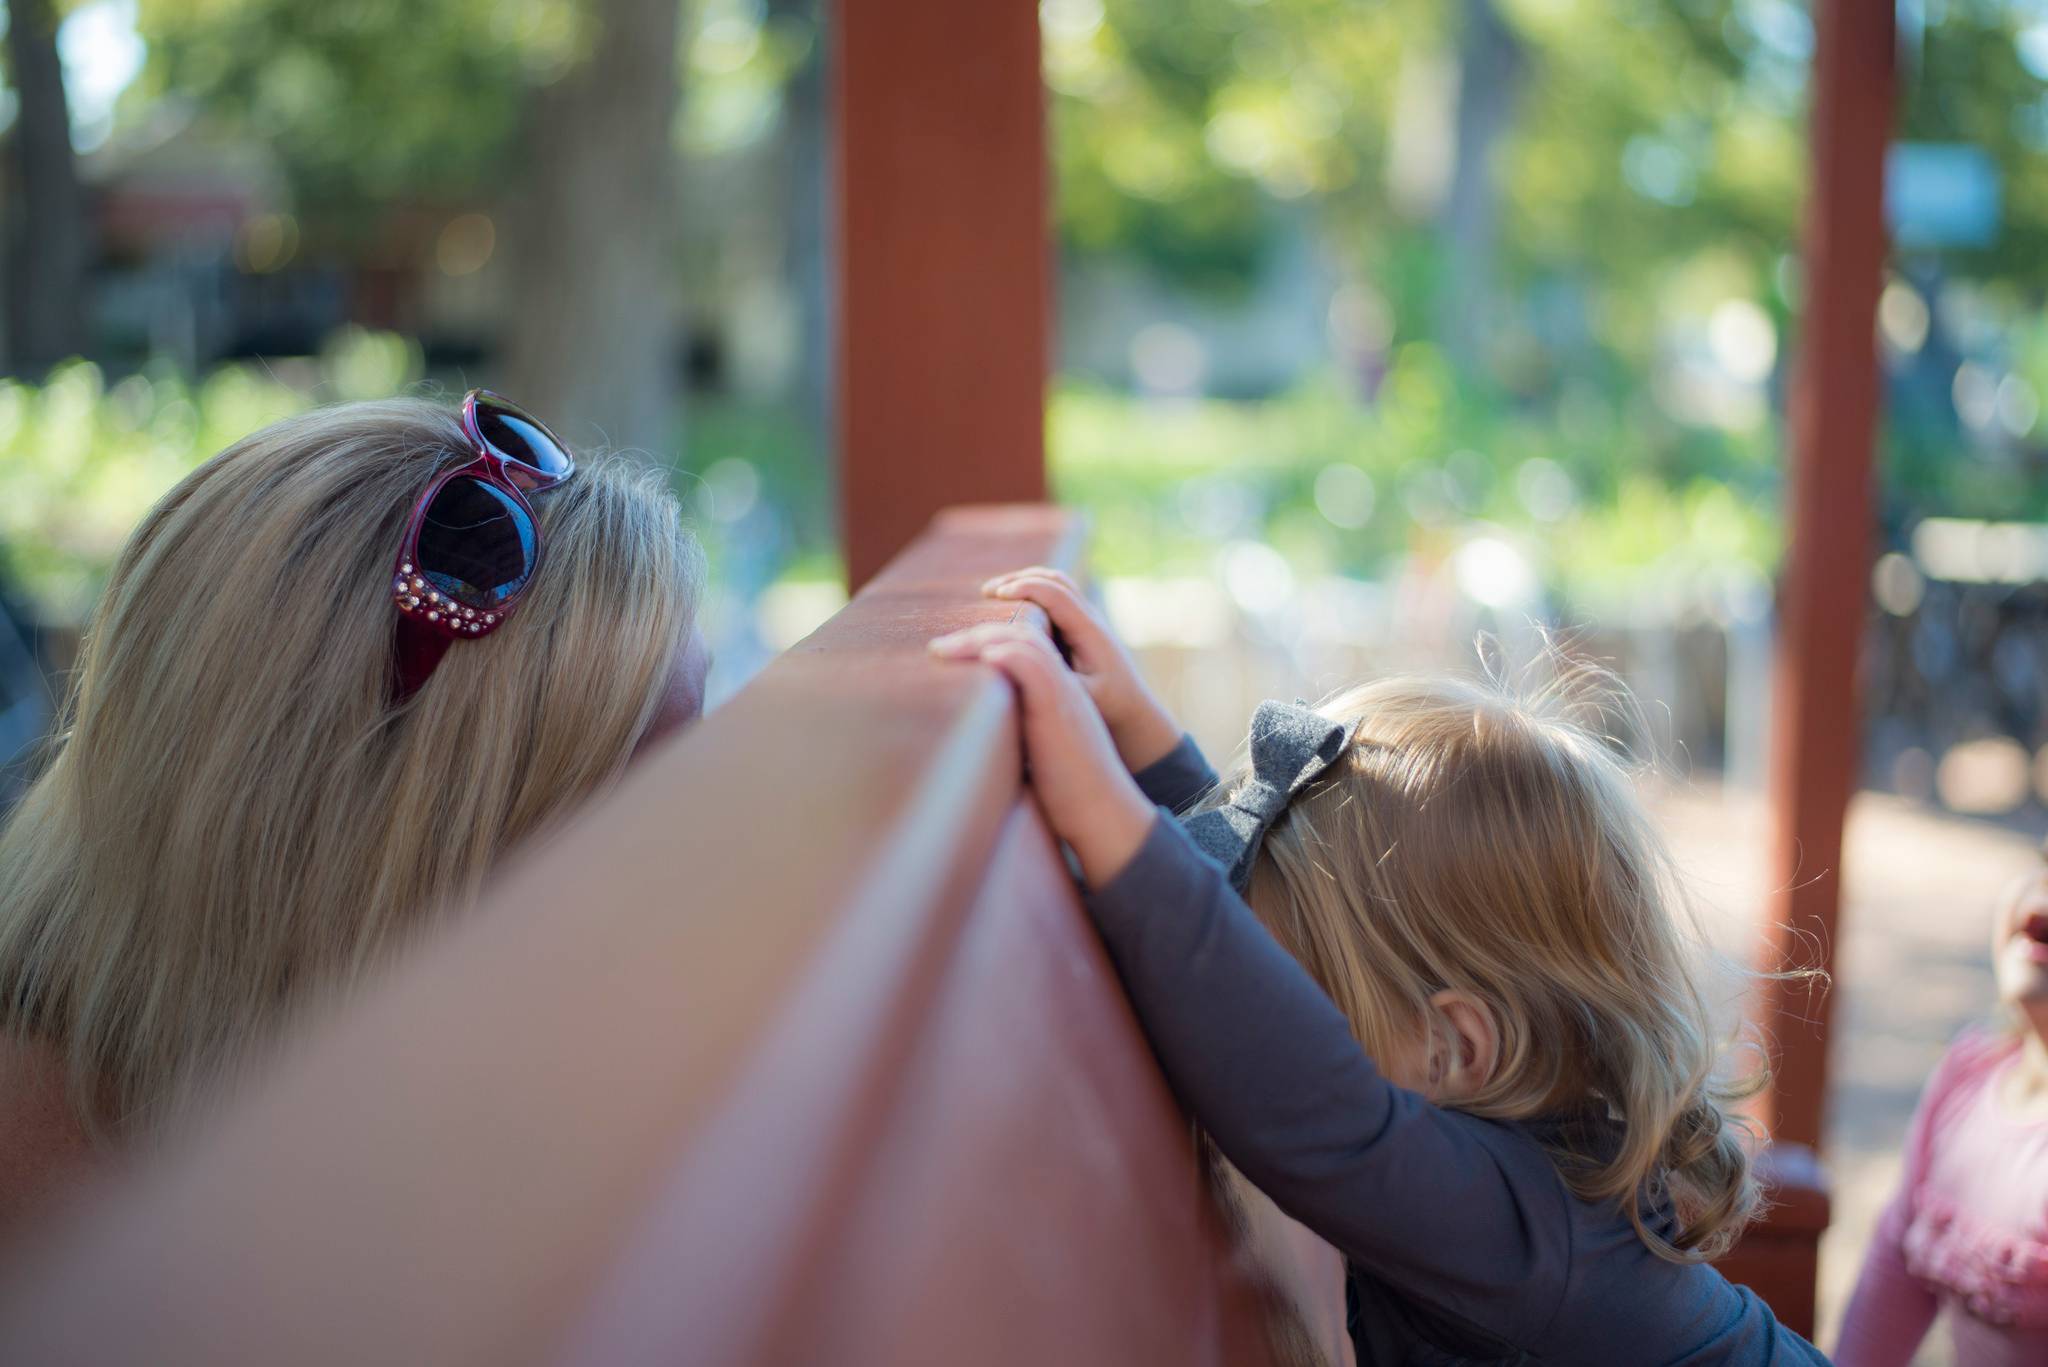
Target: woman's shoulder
x: 44, y: 1148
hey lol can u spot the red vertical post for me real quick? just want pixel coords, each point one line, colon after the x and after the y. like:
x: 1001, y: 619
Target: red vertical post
x: 1834, y: 407
x: 945, y: 294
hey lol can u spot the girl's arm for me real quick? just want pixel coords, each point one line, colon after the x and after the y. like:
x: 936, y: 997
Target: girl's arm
x: 1269, y: 1066
x: 1891, y: 1309
x: 1449, y: 1209
x: 1178, y: 781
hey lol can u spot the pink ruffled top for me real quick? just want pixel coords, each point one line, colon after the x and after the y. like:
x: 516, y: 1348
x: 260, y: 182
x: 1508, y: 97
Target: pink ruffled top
x: 1968, y: 1230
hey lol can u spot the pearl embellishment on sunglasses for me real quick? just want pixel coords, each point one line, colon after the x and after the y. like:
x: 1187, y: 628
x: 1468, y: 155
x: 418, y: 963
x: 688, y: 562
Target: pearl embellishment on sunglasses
x: 409, y: 593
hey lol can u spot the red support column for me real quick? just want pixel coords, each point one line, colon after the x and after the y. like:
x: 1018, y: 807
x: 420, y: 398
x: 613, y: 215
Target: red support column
x: 944, y: 266
x: 1834, y: 408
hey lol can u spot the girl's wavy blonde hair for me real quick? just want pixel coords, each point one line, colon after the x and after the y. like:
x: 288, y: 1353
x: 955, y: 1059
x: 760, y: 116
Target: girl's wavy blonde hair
x: 237, y: 816
x: 1474, y: 841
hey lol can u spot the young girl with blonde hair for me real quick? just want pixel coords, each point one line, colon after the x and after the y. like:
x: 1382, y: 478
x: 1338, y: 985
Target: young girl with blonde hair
x: 337, y: 672
x: 1458, y: 1031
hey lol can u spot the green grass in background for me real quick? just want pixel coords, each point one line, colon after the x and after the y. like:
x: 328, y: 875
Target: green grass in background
x: 1602, y: 496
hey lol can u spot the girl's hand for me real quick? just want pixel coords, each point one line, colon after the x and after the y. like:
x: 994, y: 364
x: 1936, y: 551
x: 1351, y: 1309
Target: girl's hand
x: 1073, y: 765
x: 1142, y: 729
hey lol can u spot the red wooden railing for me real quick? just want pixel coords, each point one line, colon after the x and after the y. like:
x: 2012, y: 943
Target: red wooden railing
x: 1779, y: 1256
x: 797, y: 1048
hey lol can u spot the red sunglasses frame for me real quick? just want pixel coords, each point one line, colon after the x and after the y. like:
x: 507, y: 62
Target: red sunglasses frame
x: 430, y: 619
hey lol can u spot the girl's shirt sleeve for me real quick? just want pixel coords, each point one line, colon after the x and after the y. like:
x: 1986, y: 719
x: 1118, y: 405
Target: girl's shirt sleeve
x: 1891, y: 1309
x: 1447, y: 1208
x: 1178, y: 780
x: 1930, y: 1244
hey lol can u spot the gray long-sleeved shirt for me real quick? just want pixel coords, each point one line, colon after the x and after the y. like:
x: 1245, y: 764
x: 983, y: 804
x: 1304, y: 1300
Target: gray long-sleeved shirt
x: 1461, y: 1241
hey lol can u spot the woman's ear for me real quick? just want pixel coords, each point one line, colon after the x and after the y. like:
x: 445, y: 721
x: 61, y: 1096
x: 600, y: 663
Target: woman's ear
x: 1474, y: 1035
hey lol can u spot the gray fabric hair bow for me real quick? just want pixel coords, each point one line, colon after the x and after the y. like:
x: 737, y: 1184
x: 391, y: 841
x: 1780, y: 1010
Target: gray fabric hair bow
x: 1291, y: 745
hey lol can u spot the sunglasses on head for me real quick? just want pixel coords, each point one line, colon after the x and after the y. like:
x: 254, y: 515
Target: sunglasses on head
x: 473, y: 544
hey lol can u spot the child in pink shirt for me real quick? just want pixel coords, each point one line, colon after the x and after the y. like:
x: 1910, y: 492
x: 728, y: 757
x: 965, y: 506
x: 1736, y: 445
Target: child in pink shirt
x: 1968, y: 1230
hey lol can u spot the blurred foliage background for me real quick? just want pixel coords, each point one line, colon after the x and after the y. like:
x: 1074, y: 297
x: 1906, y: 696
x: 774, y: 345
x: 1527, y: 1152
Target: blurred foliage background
x: 1347, y: 289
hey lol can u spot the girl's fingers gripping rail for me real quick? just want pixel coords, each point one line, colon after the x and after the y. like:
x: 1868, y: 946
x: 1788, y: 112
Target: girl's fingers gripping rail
x: 1143, y: 730
x: 1061, y: 598
x: 1073, y: 766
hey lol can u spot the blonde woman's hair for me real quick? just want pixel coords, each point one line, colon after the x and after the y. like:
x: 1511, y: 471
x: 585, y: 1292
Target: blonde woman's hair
x: 1468, y: 840
x: 237, y: 815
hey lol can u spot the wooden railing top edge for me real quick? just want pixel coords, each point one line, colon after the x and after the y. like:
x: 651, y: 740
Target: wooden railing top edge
x: 463, y: 1145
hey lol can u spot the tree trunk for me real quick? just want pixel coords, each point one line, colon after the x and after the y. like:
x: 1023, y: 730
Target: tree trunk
x: 47, y: 246
x: 802, y: 169
x: 1489, y: 73
x: 592, y: 342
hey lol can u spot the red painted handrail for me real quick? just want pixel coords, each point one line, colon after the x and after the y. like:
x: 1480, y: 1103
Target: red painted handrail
x: 795, y: 1048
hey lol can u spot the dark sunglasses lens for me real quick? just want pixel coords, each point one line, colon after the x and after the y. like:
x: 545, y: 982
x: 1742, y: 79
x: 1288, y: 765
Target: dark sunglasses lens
x: 516, y: 436
x: 476, y: 544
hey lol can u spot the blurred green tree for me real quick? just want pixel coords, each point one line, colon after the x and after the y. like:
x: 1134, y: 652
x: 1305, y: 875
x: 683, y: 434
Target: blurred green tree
x: 364, y: 102
x: 561, y: 113
x: 1623, y: 138
x: 1452, y: 154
